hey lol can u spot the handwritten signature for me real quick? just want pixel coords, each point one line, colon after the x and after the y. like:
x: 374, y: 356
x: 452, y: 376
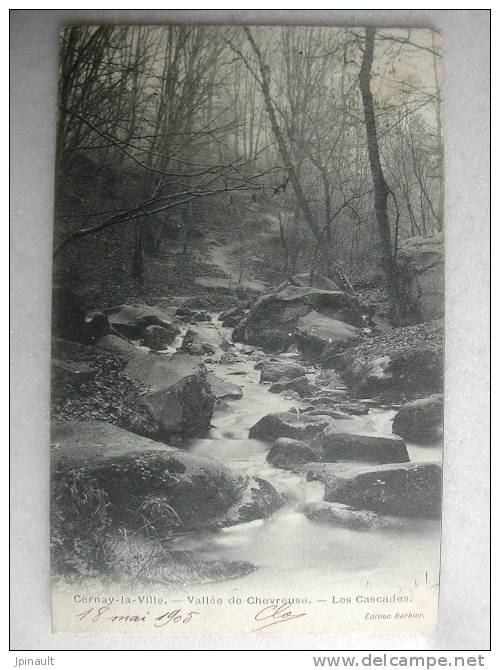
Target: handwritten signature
x: 274, y: 614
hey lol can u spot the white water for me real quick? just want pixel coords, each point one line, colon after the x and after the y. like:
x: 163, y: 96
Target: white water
x: 290, y: 551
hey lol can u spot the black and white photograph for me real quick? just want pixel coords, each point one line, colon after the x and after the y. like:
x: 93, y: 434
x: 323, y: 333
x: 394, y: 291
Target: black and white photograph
x: 247, y: 329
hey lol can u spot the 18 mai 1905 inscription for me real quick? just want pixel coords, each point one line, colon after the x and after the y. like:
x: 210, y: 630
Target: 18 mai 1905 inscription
x: 247, y: 350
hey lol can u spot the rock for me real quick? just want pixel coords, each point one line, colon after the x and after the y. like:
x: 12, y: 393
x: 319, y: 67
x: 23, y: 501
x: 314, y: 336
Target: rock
x: 191, y: 344
x: 132, y: 320
x: 160, y: 371
x: 142, y: 424
x: 300, y: 385
x: 421, y: 421
x: 187, y: 314
x: 65, y: 373
x: 180, y: 400
x: 197, y: 302
x: 342, y: 515
x: 325, y: 397
x: 204, y: 339
x: 159, y: 337
x: 120, y: 348
x: 305, y: 280
x: 274, y: 371
x: 273, y: 318
x: 96, y: 326
x: 287, y: 453
x: 287, y: 424
x: 350, y: 447
x: 185, y: 407
x: 406, y: 361
x: 231, y: 317
x: 326, y: 411
x: 353, y: 407
x: 170, y: 488
x: 420, y: 265
x: 68, y: 316
x: 222, y: 389
x: 315, y: 332
x: 228, y: 358
x: 411, y: 490
x: 259, y: 501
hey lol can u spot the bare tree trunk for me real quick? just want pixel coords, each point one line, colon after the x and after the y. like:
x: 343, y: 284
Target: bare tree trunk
x: 289, y: 162
x: 379, y: 183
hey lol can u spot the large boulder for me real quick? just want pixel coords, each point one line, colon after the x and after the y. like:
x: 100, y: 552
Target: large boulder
x: 276, y: 371
x: 180, y: 398
x: 315, y: 332
x: 365, y: 448
x: 142, y: 481
x: 288, y: 424
x: 405, y: 361
x: 287, y: 453
x: 421, y: 421
x: 183, y: 407
x: 410, y: 490
x: 132, y: 320
x: 272, y: 320
x: 420, y: 264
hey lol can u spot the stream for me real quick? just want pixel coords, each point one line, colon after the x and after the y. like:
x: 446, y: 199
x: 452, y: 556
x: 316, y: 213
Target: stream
x: 290, y: 551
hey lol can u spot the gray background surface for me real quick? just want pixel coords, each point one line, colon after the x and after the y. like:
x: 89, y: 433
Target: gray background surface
x: 464, y: 597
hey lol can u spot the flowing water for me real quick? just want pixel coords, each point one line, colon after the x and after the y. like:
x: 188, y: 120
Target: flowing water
x: 289, y: 550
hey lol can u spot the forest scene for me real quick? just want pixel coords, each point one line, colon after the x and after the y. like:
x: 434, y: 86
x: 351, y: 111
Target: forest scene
x: 248, y: 305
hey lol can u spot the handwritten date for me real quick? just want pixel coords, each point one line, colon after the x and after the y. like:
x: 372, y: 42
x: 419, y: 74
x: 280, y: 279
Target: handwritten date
x: 104, y: 613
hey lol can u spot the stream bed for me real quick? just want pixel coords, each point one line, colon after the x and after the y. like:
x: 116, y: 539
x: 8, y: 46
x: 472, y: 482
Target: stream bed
x: 288, y: 550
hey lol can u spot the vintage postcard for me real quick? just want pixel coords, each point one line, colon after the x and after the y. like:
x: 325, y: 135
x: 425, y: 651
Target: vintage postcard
x: 247, y: 336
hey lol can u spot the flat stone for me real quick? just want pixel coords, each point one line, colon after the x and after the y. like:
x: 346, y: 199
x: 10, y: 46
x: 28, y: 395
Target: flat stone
x: 342, y: 515
x: 287, y: 424
x: 222, y: 389
x: 300, y: 385
x: 364, y: 448
x: 287, y: 453
x: 316, y: 332
x: 132, y: 320
x: 275, y: 371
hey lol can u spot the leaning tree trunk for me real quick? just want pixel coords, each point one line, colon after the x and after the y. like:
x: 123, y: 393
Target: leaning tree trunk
x: 291, y: 168
x: 379, y: 184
